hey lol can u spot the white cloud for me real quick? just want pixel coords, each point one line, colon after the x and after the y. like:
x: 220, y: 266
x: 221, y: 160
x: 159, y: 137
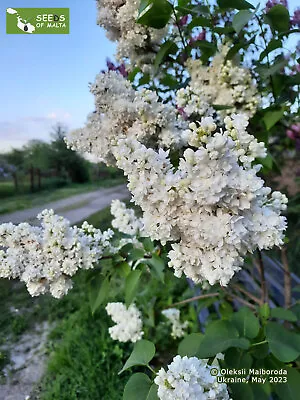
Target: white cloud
x: 14, y: 134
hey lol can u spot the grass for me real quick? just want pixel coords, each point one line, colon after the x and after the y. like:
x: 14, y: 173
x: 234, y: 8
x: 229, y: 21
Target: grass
x: 84, y: 361
x: 21, y: 202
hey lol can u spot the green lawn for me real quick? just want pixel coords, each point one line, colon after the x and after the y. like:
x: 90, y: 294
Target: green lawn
x: 21, y: 202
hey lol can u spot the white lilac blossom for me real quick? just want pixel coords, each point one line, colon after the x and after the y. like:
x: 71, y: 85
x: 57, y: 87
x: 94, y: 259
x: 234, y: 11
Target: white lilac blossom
x: 222, y: 84
x: 128, y: 322
x: 213, y: 208
x: 188, y: 378
x: 123, y: 112
x: 125, y: 219
x: 136, y: 42
x: 46, y: 257
x: 178, y: 328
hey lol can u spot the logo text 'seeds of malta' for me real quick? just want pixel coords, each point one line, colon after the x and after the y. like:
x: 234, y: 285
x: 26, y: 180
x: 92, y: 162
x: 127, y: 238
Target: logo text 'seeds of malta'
x: 37, y: 20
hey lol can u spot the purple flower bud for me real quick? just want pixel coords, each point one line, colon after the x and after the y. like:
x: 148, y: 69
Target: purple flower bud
x: 122, y: 70
x: 200, y: 36
x: 296, y: 18
x: 296, y: 128
x: 110, y: 65
x: 290, y: 134
x: 294, y: 132
x: 272, y: 3
x: 182, y: 112
x: 183, y: 20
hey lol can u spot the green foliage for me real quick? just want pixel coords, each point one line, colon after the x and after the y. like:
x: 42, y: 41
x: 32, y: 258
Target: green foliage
x: 190, y: 345
x: 282, y: 313
x: 246, y: 323
x: 140, y: 387
x: 272, y: 116
x: 154, y: 13
x: 131, y: 285
x: 98, y: 296
x: 219, y: 336
x: 279, y: 18
x: 241, y: 19
x: 285, y: 345
x: 158, y: 265
x: 237, y: 4
x: 142, y: 354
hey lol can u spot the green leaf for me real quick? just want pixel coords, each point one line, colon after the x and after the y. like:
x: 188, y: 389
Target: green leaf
x: 272, y: 45
x: 154, y: 13
x: 261, y: 351
x: 237, y: 47
x: 246, y: 323
x: 190, y: 345
x: 142, y: 354
x: 293, y: 80
x: 153, y: 393
x: 265, y: 71
x: 136, y: 254
x: 131, y: 284
x: 283, y: 344
x: 261, y: 391
x: 99, y: 295
x: 219, y: 336
x: 237, y: 4
x: 291, y: 389
x: 138, y: 388
x: 264, y: 311
x: 132, y: 74
x: 242, y: 391
x: 279, y: 18
x: 199, y: 21
x: 144, y: 79
x: 226, y: 310
x: 236, y: 358
x: 204, y: 44
x: 124, y: 269
x: 282, y: 313
x: 169, y: 47
x: 148, y: 244
x: 158, y: 264
x: 266, y: 162
x: 272, y: 117
x: 241, y: 19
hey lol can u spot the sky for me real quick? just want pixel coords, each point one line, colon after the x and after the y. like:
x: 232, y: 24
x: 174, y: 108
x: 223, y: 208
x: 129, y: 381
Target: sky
x: 44, y: 78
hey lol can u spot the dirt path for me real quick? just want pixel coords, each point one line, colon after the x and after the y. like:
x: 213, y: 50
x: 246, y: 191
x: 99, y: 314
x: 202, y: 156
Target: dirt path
x: 27, y: 364
x: 75, y: 208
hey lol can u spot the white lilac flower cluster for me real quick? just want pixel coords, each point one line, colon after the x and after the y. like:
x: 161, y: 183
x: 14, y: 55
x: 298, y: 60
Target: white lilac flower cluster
x: 128, y: 321
x: 123, y: 112
x: 125, y: 219
x: 178, y: 328
x: 189, y: 379
x: 222, y: 84
x: 136, y: 42
x: 46, y: 257
x: 213, y: 208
